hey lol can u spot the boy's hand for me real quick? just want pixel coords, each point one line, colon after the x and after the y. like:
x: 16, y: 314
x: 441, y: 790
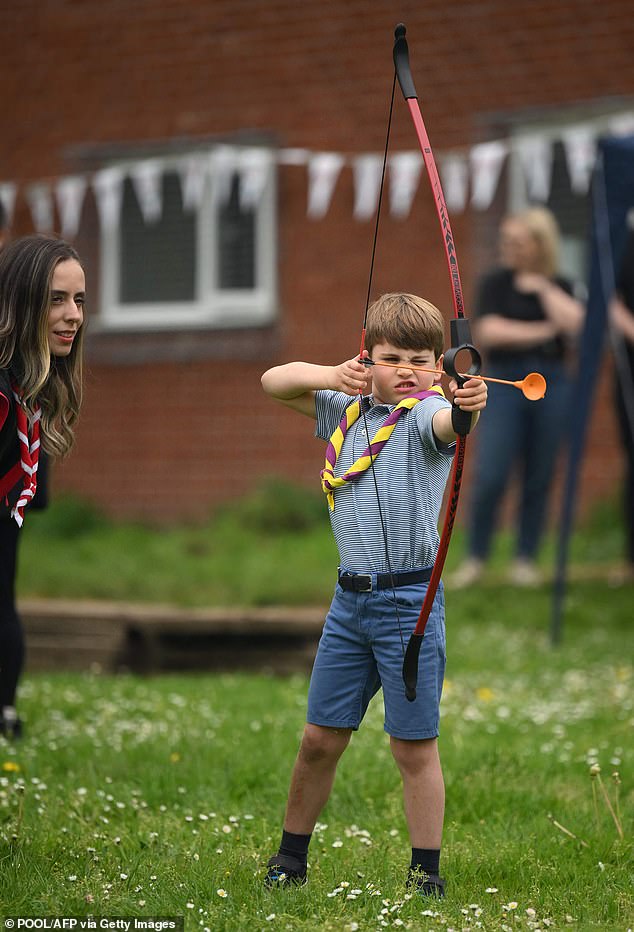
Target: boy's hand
x: 472, y: 396
x: 351, y: 377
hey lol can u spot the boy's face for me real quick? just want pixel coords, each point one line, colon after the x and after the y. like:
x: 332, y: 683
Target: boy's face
x: 391, y: 385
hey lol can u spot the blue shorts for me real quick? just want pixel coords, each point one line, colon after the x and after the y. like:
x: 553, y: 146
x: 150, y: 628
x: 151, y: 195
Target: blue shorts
x: 360, y: 651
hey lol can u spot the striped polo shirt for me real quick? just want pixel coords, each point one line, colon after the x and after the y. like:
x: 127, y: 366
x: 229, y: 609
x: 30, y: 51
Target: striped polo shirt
x: 411, y: 474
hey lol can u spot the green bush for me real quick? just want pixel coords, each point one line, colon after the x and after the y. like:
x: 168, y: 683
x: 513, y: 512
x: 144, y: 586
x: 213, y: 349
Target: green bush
x: 278, y: 507
x: 68, y: 517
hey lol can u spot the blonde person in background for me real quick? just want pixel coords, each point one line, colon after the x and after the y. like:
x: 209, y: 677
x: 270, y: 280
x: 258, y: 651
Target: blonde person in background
x: 526, y: 318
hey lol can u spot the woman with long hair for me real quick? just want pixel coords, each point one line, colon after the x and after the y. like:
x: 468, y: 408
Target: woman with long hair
x: 42, y: 295
x: 526, y: 320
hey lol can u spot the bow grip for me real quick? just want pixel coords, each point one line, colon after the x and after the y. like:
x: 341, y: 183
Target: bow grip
x: 461, y: 342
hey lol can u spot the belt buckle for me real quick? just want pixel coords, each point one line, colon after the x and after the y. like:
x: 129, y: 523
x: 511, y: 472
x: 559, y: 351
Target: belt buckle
x: 364, y: 582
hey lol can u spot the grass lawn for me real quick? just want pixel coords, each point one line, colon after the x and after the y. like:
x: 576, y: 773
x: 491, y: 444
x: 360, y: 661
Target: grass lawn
x: 164, y: 796
x: 236, y: 555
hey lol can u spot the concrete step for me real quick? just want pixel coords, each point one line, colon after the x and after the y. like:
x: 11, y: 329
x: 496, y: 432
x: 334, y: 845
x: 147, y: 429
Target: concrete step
x: 77, y: 635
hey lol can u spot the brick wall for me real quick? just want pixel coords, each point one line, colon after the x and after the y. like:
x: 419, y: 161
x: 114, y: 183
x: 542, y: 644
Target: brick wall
x: 166, y: 439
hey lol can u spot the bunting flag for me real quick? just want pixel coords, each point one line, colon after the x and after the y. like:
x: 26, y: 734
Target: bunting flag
x: 486, y: 159
x: 8, y: 192
x: 40, y: 203
x: 147, y: 179
x: 536, y: 158
x: 470, y: 177
x: 323, y: 172
x: 224, y: 165
x: 108, y: 188
x: 193, y: 170
x: 405, y: 169
x: 454, y: 175
x: 70, y: 193
x: 367, y: 183
x: 580, y: 147
x: 254, y: 168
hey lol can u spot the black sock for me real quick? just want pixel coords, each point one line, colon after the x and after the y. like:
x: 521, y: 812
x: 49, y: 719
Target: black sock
x: 294, y: 846
x: 426, y: 859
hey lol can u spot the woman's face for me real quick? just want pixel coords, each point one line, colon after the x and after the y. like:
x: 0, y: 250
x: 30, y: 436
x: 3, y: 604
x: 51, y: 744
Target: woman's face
x: 66, y: 307
x: 518, y: 247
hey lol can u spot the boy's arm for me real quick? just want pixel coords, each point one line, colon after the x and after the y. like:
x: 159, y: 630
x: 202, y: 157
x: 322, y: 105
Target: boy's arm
x: 295, y: 383
x: 471, y: 397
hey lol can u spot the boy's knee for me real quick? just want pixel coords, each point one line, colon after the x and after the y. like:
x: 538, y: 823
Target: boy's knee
x: 414, y: 756
x: 320, y: 743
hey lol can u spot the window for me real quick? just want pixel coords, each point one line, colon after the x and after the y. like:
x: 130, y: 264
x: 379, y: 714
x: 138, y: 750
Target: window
x: 212, y: 265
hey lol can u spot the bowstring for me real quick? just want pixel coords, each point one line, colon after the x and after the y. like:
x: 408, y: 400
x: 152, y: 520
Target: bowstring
x: 388, y: 561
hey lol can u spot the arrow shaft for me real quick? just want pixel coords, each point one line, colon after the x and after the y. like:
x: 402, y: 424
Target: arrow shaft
x: 485, y: 378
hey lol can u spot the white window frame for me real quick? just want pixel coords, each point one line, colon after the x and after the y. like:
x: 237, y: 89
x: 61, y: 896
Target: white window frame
x: 212, y: 306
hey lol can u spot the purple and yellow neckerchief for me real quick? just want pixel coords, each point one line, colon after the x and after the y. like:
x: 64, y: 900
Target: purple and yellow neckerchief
x: 329, y: 482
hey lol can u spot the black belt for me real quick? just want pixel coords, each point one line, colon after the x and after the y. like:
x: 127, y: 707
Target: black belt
x: 363, y: 582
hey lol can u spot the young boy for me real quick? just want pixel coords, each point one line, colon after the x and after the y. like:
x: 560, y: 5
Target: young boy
x: 362, y: 644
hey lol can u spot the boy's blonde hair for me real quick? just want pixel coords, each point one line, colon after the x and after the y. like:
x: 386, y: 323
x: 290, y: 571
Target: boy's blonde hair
x: 406, y: 321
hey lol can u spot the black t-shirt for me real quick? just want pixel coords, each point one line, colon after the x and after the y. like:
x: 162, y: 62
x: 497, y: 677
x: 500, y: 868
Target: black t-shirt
x: 9, y: 445
x: 497, y: 295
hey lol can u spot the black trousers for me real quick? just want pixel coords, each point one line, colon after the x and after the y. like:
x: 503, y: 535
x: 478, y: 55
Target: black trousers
x: 11, y: 633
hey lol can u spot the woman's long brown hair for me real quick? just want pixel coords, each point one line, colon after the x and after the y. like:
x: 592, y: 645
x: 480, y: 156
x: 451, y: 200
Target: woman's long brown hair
x: 55, y: 383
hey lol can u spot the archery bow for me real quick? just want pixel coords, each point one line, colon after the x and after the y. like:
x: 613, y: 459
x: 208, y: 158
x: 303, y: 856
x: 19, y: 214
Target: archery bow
x: 460, y: 343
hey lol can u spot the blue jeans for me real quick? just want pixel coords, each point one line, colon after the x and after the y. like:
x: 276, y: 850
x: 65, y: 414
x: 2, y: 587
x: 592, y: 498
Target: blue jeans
x: 517, y: 436
x: 360, y: 652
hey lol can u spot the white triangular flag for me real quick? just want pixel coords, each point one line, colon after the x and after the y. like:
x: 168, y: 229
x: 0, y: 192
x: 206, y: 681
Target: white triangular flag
x: 486, y: 165
x: 8, y: 191
x: 367, y: 184
x: 580, y: 146
x: 323, y: 172
x: 194, y: 171
x: 255, y: 164
x: 622, y: 124
x: 293, y: 156
x: 41, y: 204
x: 454, y: 173
x: 536, y: 158
x: 108, y: 188
x: 147, y: 178
x: 225, y: 162
x: 70, y: 193
x: 405, y: 169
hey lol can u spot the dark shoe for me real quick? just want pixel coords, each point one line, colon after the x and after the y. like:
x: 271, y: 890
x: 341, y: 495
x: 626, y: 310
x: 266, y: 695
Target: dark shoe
x: 426, y: 884
x: 283, y: 871
x: 10, y: 729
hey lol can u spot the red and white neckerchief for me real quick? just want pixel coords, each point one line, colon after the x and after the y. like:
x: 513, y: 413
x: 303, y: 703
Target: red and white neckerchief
x: 29, y: 439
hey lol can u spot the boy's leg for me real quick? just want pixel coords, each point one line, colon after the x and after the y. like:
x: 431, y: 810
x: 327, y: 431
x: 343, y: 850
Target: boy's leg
x: 313, y: 776
x: 423, y: 790
x: 424, y: 804
x: 311, y: 783
x: 343, y: 681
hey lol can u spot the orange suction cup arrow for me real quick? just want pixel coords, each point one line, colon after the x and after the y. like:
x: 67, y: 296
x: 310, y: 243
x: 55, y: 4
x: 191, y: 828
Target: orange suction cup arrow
x: 532, y: 387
